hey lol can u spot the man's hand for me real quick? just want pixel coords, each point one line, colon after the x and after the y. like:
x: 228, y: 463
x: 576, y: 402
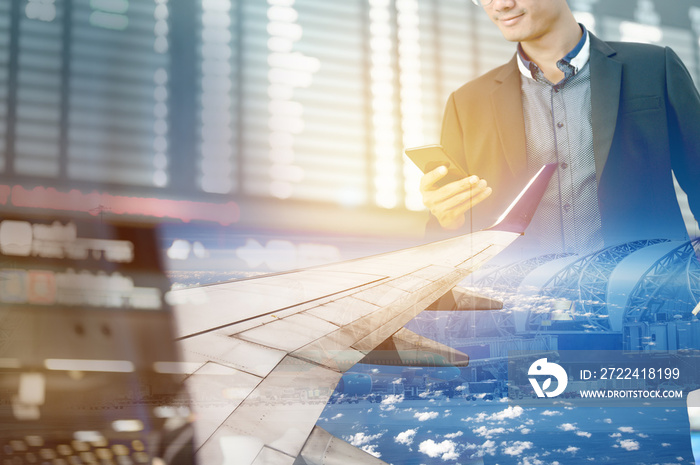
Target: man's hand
x: 450, y: 202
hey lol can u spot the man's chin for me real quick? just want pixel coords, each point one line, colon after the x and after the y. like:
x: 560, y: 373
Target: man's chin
x: 513, y: 36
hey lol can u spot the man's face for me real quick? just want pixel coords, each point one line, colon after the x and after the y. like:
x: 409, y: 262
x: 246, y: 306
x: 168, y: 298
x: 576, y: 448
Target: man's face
x: 525, y: 20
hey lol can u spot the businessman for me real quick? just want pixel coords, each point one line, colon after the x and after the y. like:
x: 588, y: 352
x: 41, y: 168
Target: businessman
x: 617, y: 118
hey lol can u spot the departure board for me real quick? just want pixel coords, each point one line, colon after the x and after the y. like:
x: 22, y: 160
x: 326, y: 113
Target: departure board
x: 309, y: 140
x: 219, y: 103
x: 39, y: 91
x: 91, y: 96
x: 293, y: 102
x: 117, y: 89
x: 316, y: 101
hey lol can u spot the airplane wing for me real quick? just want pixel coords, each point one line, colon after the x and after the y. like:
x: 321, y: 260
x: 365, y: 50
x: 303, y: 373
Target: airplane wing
x: 262, y: 356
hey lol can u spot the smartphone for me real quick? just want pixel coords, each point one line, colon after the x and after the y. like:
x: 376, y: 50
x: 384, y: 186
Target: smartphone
x: 429, y: 157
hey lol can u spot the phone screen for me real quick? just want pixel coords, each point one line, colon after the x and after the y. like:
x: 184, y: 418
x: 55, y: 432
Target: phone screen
x: 429, y: 157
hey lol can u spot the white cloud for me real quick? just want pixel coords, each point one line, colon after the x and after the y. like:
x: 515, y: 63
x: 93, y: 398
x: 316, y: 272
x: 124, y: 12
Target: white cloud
x: 406, y: 437
x: 567, y: 427
x: 450, y: 456
x: 445, y: 449
x: 516, y: 447
x: 608, y: 421
x: 335, y: 417
x: 481, y: 416
x: 525, y: 430
x: 454, y: 435
x: 642, y: 435
x: 629, y: 444
x: 615, y: 435
x: 583, y: 434
x: 425, y: 416
x: 361, y: 439
x: 571, y: 449
x: 534, y: 460
x: 389, y: 402
x: 507, y: 414
x: 489, y: 447
x: 551, y: 413
x: 665, y: 444
x: 372, y: 450
x: 488, y: 433
x: 392, y: 399
x: 626, y: 429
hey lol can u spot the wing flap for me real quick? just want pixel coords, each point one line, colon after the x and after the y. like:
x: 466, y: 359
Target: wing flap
x: 216, y: 391
x: 395, y: 307
x: 242, y: 355
x: 322, y: 448
x: 406, y: 348
x: 328, y: 352
x: 290, y: 333
x: 461, y: 299
x: 391, y: 318
x: 278, y: 412
x: 242, y: 450
x: 343, y: 311
x: 356, y: 339
x: 269, y: 456
x: 409, y: 283
x: 381, y: 295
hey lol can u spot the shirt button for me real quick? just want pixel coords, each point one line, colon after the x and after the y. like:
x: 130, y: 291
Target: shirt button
x: 567, y: 207
x: 560, y: 125
x: 564, y: 165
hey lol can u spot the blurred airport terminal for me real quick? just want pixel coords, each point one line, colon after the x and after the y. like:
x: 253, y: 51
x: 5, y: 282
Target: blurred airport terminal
x: 285, y: 115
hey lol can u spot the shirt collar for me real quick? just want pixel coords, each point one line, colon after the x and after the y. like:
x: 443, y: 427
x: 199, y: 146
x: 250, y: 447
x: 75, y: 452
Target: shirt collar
x: 570, y: 64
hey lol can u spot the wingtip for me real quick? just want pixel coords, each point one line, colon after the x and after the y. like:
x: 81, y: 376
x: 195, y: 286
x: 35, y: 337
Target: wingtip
x: 518, y: 215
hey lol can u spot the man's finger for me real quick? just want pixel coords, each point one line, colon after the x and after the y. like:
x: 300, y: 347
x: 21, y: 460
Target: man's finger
x: 450, y: 213
x: 437, y: 196
x: 467, y: 199
x: 429, y: 179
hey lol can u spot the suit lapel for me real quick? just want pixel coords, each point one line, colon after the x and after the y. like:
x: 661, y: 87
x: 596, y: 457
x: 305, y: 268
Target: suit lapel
x: 606, y: 79
x: 508, y: 112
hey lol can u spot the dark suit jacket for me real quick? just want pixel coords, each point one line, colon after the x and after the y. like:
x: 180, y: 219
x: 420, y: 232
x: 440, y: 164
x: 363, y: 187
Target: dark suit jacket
x: 645, y: 119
